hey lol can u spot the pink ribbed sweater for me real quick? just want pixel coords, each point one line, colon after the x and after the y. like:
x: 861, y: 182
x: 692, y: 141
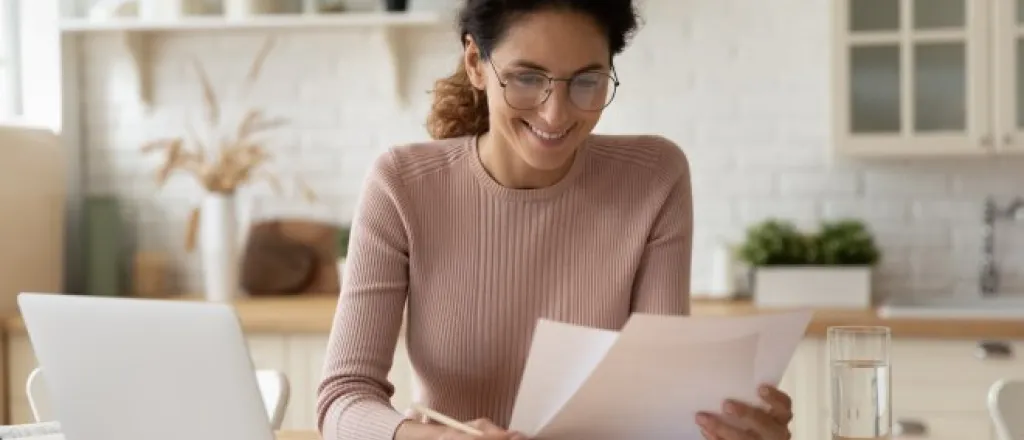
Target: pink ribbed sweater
x: 478, y: 263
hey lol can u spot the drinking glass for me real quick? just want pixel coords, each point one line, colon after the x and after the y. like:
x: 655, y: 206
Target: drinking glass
x: 860, y: 382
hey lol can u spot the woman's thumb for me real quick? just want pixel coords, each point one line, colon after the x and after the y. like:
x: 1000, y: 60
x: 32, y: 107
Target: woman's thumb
x: 486, y: 426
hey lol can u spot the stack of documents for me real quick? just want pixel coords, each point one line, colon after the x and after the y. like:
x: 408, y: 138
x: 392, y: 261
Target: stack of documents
x: 649, y: 380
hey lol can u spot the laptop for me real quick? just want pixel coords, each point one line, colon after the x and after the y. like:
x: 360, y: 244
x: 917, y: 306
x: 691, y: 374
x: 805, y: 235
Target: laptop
x: 130, y: 369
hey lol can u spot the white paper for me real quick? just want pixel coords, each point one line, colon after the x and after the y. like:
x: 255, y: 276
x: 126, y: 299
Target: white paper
x: 560, y: 360
x: 780, y: 332
x: 649, y: 380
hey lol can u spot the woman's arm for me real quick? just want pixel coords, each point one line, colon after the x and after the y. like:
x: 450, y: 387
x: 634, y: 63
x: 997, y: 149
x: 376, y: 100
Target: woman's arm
x: 662, y: 284
x: 353, y: 398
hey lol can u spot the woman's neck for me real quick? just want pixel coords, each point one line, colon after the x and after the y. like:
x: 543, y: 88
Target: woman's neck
x: 509, y: 170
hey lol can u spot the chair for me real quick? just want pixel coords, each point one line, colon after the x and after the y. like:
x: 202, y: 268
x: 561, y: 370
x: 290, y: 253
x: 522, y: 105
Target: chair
x: 1006, y: 408
x: 273, y: 384
x: 275, y: 390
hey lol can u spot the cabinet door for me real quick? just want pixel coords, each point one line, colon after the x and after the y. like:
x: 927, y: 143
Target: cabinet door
x: 1009, y: 74
x: 940, y: 387
x: 910, y: 77
x: 802, y: 382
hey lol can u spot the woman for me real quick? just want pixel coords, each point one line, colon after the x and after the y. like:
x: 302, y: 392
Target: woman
x: 514, y: 212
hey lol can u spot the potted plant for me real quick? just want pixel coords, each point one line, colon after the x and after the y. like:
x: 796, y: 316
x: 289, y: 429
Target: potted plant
x: 342, y: 237
x: 831, y: 267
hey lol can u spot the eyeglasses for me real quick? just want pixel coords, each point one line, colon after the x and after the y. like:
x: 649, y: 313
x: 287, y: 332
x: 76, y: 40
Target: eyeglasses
x: 588, y: 91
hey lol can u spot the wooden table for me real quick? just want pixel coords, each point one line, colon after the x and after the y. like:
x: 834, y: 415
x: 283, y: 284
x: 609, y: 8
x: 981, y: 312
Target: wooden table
x: 298, y: 435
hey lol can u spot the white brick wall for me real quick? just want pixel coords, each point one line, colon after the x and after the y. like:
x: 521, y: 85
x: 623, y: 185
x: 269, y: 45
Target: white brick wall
x: 742, y: 86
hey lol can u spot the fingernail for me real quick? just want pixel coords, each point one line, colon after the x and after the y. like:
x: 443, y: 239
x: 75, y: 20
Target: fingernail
x: 703, y: 418
x: 731, y: 408
x: 764, y: 390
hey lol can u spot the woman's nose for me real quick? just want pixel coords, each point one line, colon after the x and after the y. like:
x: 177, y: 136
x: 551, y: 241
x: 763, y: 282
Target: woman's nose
x: 556, y: 110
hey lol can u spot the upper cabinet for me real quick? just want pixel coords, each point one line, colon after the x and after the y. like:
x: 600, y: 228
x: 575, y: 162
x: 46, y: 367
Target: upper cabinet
x: 918, y: 78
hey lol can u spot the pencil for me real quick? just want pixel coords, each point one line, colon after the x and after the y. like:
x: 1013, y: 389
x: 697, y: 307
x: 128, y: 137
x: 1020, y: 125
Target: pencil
x: 447, y: 421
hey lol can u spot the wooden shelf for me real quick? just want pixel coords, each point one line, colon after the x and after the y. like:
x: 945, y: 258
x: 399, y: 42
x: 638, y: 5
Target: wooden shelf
x: 137, y: 33
x: 282, y: 21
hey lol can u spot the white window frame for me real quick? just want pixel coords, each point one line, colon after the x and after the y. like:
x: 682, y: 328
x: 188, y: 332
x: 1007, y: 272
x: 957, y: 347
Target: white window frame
x: 10, y: 35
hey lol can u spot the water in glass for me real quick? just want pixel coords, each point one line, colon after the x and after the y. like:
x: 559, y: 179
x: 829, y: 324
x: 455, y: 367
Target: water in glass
x: 860, y: 400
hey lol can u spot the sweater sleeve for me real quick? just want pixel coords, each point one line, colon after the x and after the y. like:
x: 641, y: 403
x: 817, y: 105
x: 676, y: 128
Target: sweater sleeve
x: 662, y: 284
x: 353, y: 397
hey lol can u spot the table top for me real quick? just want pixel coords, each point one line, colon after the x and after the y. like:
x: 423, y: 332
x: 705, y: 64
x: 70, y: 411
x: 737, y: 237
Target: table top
x: 298, y: 435
x: 314, y: 314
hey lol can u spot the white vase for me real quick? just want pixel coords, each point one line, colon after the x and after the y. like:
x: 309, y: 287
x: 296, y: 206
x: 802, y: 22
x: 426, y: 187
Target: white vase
x: 219, y: 251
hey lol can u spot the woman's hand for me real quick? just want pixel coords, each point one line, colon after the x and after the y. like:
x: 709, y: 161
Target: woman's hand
x: 412, y: 429
x: 746, y: 422
x: 490, y: 430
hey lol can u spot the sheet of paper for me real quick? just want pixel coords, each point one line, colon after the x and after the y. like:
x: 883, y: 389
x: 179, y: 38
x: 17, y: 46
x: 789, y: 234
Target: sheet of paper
x: 561, y: 358
x: 782, y: 332
x: 648, y: 380
x: 653, y: 391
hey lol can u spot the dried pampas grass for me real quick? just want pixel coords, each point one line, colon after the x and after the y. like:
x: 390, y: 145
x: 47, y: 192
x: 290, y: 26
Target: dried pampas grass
x: 237, y: 158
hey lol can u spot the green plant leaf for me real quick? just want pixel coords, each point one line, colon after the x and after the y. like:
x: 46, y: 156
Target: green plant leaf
x: 846, y: 242
x: 774, y: 242
x: 343, y: 237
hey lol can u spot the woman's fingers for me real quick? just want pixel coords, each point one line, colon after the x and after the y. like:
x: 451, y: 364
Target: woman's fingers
x: 486, y: 426
x: 757, y: 420
x: 492, y: 431
x: 452, y: 434
x: 780, y: 405
x: 714, y: 427
x: 708, y: 435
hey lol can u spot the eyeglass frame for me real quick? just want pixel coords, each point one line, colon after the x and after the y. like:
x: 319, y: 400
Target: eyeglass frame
x: 614, y: 76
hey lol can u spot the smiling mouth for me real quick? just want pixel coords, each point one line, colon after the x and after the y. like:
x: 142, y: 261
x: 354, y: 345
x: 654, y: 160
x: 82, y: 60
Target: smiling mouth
x: 547, y: 135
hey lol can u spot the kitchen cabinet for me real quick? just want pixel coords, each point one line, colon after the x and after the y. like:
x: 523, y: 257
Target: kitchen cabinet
x: 940, y: 386
x: 802, y: 382
x: 916, y: 78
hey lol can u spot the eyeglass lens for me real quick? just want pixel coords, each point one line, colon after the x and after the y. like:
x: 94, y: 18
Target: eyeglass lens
x: 587, y: 90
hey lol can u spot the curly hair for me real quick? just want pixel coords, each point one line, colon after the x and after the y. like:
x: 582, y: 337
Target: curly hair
x: 458, y: 108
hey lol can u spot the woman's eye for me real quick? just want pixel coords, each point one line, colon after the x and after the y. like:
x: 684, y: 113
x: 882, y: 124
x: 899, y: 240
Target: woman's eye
x: 529, y: 80
x: 587, y: 81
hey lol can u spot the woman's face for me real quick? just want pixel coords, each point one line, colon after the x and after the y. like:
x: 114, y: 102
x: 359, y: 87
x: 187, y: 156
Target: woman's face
x: 544, y: 133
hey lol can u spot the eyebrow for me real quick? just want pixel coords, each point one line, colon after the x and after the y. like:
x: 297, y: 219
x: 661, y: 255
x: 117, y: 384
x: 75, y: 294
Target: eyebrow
x: 535, y: 66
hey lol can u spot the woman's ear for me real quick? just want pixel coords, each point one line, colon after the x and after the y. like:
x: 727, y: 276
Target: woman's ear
x: 474, y: 63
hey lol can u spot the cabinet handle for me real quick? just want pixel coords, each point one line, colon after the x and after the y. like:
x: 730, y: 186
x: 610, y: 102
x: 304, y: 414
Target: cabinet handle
x: 904, y: 428
x: 994, y: 350
x: 986, y: 141
x: 1008, y: 140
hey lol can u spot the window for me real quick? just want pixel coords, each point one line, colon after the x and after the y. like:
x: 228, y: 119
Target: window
x: 10, y: 90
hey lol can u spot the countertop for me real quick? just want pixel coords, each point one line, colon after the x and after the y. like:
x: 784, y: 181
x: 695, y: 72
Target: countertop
x: 315, y: 313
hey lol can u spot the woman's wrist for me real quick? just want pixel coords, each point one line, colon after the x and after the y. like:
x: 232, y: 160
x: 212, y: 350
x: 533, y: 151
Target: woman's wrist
x: 413, y: 430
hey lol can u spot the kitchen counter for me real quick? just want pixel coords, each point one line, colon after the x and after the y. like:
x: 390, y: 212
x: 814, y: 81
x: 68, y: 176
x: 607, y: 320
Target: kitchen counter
x: 313, y: 314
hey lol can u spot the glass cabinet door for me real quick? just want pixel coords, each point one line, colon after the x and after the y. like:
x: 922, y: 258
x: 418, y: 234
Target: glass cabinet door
x: 912, y: 75
x: 1018, y: 66
x: 1010, y: 71
x: 875, y: 68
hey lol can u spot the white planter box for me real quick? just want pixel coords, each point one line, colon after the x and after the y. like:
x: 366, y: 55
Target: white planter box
x: 813, y: 286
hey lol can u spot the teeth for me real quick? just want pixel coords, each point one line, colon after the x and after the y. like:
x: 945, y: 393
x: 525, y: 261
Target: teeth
x: 546, y: 135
